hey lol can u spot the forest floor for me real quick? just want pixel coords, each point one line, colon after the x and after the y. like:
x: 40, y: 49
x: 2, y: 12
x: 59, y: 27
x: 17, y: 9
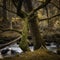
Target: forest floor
x: 41, y: 54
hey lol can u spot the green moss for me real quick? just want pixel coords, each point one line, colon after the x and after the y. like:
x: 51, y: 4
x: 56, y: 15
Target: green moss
x: 24, y: 43
x: 40, y: 54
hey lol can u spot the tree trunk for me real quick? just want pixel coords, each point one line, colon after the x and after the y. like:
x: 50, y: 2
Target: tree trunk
x: 33, y: 26
x: 4, y: 11
x: 10, y: 15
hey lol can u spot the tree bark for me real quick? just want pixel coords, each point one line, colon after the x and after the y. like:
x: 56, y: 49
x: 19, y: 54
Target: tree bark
x: 4, y: 11
x: 33, y: 26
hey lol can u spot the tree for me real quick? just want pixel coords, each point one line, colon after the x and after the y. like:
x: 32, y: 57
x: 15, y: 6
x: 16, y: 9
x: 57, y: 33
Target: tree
x: 31, y: 17
x: 4, y: 11
x: 33, y: 26
x: 33, y: 23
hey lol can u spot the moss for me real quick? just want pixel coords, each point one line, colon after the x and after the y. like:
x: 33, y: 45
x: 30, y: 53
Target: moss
x: 40, y: 54
x: 24, y: 43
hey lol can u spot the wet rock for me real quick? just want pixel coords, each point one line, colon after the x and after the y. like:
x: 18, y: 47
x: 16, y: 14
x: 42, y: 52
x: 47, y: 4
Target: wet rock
x: 4, y: 52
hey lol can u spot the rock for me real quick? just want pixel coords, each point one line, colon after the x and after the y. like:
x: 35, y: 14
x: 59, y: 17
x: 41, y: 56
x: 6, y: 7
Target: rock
x: 4, y: 51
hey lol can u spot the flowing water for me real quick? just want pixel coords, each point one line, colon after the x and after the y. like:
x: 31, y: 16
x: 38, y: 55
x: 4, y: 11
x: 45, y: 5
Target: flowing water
x: 17, y: 49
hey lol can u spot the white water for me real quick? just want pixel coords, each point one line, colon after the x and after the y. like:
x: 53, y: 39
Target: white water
x: 52, y: 48
x: 16, y: 48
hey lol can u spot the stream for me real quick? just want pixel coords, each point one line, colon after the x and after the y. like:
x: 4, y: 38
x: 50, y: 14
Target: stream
x: 15, y: 47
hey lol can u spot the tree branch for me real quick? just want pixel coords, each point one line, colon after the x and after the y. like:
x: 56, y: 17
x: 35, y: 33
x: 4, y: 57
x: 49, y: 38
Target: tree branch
x: 40, y: 7
x: 11, y: 30
x: 31, y: 13
x: 25, y: 14
x: 13, y: 1
x: 12, y: 41
x: 49, y: 18
x: 55, y: 5
x: 47, y: 11
x: 8, y: 10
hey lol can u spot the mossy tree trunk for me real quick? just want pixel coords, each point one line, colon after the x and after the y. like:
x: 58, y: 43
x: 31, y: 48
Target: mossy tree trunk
x: 24, y: 42
x: 32, y: 22
x: 34, y: 26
